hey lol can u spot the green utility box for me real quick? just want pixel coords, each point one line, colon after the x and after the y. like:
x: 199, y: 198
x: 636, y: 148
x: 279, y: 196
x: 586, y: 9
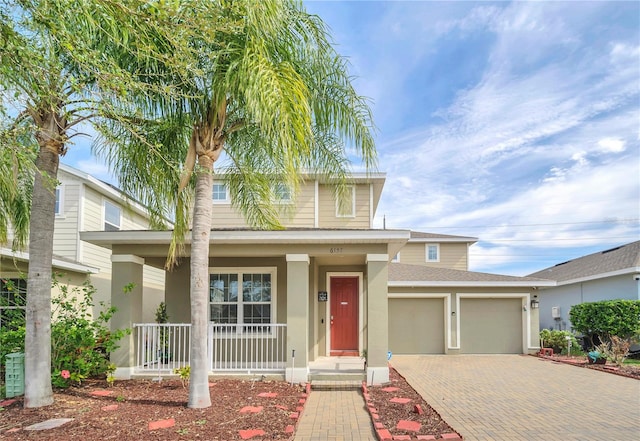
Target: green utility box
x: 14, y: 374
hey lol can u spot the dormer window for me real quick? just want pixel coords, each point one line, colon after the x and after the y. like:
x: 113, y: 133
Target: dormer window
x: 220, y: 192
x: 346, y: 207
x: 282, y: 193
x: 433, y: 252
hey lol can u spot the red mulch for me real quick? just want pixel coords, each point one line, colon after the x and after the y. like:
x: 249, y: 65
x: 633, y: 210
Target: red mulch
x: 630, y: 371
x: 391, y: 413
x: 141, y: 402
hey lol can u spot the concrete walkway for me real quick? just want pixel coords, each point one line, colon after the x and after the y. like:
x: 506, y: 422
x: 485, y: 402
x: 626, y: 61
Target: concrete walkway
x: 512, y: 397
x: 335, y: 415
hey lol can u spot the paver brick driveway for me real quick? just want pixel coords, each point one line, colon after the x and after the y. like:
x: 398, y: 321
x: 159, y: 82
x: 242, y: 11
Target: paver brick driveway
x: 516, y: 397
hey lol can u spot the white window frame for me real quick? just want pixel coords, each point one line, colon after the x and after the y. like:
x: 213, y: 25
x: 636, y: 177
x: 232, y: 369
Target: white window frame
x: 240, y: 271
x: 13, y: 278
x: 282, y: 193
x: 104, y: 215
x: 226, y: 199
x: 353, y: 204
x: 59, y: 193
x: 426, y: 251
x: 396, y: 258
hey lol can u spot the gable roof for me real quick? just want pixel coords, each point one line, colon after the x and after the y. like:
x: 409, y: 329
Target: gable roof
x: 624, y: 259
x: 401, y: 274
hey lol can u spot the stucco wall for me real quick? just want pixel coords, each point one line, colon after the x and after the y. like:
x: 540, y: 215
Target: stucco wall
x: 618, y: 287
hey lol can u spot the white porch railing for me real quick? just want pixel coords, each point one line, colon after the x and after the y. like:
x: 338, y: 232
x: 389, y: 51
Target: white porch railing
x: 160, y: 348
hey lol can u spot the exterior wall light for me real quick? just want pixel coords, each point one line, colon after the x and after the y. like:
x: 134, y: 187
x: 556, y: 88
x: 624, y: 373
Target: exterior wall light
x: 535, y: 304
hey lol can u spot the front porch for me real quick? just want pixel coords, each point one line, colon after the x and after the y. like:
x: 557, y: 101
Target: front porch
x: 278, y: 302
x: 234, y: 350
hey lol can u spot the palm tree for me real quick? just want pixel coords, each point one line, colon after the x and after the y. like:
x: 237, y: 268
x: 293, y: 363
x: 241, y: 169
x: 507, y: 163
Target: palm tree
x: 61, y: 66
x: 270, y: 93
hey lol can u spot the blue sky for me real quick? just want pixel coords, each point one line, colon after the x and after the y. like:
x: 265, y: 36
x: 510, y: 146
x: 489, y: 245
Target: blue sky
x: 514, y: 122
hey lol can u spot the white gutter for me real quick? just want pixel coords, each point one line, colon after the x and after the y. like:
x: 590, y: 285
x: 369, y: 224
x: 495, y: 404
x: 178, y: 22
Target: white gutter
x: 58, y: 263
x: 484, y: 283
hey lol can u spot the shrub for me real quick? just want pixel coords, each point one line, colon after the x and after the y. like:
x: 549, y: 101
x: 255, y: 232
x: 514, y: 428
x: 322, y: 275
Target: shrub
x: 599, y: 321
x: 616, y: 350
x: 558, y: 341
x: 80, y: 343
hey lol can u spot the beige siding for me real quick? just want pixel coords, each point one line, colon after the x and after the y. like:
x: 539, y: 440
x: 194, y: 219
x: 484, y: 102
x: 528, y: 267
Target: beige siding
x: 327, y: 209
x: 94, y: 255
x: 300, y: 213
x: 452, y: 255
x: 65, y: 238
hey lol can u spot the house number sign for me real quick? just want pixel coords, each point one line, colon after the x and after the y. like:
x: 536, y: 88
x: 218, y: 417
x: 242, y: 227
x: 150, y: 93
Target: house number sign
x: 322, y: 296
x: 335, y: 250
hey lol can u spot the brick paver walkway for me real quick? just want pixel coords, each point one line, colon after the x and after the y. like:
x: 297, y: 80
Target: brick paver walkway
x: 335, y: 415
x: 510, y: 398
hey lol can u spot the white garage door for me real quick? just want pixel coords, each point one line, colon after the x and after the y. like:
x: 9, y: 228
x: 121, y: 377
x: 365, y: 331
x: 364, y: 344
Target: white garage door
x: 490, y: 326
x: 416, y: 326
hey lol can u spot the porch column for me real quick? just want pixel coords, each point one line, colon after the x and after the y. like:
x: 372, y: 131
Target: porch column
x: 377, y: 318
x: 297, y: 317
x: 126, y: 296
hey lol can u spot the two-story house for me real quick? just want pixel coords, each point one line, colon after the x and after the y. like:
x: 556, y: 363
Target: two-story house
x: 83, y: 203
x: 327, y: 285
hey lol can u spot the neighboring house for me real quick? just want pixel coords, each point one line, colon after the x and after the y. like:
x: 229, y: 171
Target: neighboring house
x: 83, y: 203
x: 606, y: 275
x: 323, y: 286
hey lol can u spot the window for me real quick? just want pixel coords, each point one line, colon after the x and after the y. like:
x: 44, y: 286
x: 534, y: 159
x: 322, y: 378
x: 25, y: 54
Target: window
x: 433, y: 252
x: 220, y: 193
x: 282, y: 193
x: 254, y: 305
x: 396, y: 258
x: 112, y: 216
x: 59, y: 207
x: 346, y: 207
x: 12, y: 302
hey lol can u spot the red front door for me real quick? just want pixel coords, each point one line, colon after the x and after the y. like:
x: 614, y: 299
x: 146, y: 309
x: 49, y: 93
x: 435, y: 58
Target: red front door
x: 344, y: 316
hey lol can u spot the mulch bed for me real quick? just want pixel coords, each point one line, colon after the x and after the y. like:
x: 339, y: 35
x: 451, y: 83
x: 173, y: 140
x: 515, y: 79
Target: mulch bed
x: 398, y: 408
x: 630, y: 371
x: 132, y: 409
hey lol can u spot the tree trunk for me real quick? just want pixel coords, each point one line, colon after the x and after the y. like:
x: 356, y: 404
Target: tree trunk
x: 38, y: 391
x: 199, y: 396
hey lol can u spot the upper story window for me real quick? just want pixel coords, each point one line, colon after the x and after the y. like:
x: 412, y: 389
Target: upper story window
x: 112, y: 216
x: 242, y: 297
x: 396, y: 258
x: 59, y: 207
x: 220, y: 192
x: 282, y: 193
x: 433, y: 252
x: 13, y: 297
x: 347, y: 206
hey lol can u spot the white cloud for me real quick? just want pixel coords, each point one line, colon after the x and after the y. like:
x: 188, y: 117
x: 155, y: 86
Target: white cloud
x: 611, y: 145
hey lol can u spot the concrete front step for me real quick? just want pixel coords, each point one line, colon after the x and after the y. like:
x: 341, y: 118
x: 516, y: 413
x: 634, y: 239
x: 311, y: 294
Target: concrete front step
x: 336, y: 385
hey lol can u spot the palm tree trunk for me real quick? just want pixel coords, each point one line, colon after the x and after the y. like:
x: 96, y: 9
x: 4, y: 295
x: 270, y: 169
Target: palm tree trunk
x: 38, y: 391
x: 199, y: 379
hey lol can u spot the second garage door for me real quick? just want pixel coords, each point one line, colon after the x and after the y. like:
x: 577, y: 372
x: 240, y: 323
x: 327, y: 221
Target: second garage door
x: 490, y: 326
x: 416, y: 326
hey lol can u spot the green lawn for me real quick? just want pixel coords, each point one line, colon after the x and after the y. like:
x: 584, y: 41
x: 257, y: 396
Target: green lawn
x: 632, y: 361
